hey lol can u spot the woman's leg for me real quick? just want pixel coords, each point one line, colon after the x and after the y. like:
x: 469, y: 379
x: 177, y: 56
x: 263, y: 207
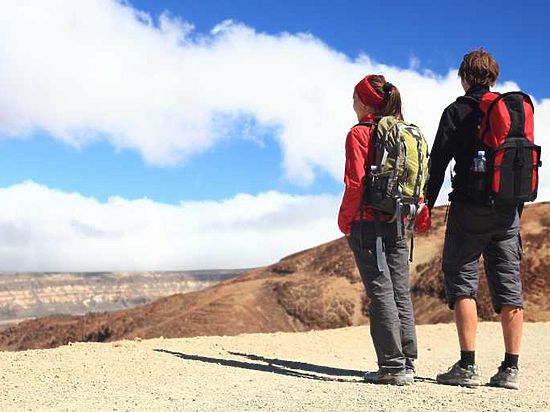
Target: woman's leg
x: 385, y: 324
x: 397, y: 256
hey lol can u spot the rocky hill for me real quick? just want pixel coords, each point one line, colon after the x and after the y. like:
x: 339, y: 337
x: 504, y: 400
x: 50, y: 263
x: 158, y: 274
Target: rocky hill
x: 315, y: 289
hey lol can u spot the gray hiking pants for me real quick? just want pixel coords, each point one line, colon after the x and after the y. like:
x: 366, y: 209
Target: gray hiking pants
x: 391, y: 312
x: 473, y: 230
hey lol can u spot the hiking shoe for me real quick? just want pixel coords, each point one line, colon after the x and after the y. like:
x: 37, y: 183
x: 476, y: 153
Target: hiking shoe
x: 410, y: 371
x: 456, y: 375
x: 505, y: 378
x: 385, y: 377
x: 409, y: 366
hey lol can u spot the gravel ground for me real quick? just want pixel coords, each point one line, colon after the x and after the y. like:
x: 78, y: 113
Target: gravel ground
x: 283, y: 371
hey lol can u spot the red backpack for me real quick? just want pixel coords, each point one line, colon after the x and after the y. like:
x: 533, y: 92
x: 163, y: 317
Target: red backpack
x: 509, y: 173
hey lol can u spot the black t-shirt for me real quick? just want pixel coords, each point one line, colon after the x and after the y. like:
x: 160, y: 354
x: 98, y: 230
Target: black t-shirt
x: 455, y: 139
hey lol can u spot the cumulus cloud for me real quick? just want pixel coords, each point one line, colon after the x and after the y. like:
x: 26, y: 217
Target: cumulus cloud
x: 43, y: 229
x: 100, y: 69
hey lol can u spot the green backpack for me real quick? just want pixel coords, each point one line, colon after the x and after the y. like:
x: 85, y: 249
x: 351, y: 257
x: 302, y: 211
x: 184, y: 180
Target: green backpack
x: 394, y: 182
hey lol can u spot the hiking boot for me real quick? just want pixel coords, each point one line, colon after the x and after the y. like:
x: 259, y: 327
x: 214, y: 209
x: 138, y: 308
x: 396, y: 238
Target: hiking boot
x: 456, y: 375
x: 409, y: 367
x: 386, y: 377
x: 410, y: 371
x: 505, y: 378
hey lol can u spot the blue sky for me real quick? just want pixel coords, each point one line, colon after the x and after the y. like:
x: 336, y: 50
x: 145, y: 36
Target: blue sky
x: 436, y: 35
x: 224, y: 127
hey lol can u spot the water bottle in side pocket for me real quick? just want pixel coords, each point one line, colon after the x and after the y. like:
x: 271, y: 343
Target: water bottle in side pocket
x: 478, y: 173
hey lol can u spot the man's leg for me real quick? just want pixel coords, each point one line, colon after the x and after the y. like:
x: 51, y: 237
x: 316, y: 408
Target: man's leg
x: 464, y: 242
x: 511, y: 318
x: 502, y: 263
x: 461, y: 253
x: 466, y: 322
x: 507, y: 375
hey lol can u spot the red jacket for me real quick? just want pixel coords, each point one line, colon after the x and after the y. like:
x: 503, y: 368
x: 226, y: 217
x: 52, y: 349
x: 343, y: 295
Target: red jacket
x: 358, y: 148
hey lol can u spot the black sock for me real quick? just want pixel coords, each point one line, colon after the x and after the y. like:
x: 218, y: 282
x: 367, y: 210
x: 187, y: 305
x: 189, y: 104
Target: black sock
x: 467, y: 358
x: 510, y: 361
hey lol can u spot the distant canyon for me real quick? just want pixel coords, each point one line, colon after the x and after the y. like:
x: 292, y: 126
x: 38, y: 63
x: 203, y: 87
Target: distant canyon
x: 30, y: 295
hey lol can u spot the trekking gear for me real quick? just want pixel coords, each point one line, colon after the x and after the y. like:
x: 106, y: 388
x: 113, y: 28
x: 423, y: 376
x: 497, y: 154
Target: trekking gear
x: 510, y: 360
x: 409, y: 367
x: 467, y: 357
x: 400, y: 377
x: 391, y: 325
x: 423, y: 220
x: 473, y: 230
x: 505, y: 378
x: 505, y: 169
x: 410, y: 371
x: 367, y: 94
x: 396, y: 174
x: 453, y: 147
x: 458, y: 376
x: 400, y: 169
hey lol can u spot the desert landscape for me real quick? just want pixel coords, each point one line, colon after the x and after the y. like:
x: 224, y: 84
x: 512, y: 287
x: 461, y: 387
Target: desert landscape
x: 318, y: 288
x: 318, y: 370
x: 175, y: 174
x: 202, y: 351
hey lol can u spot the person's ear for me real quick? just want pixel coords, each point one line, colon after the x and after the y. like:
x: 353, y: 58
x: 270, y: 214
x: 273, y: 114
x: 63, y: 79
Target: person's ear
x: 465, y: 84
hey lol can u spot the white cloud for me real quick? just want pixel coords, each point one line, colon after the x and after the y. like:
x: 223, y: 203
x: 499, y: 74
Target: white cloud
x: 45, y: 230
x: 89, y: 69
x: 100, y: 69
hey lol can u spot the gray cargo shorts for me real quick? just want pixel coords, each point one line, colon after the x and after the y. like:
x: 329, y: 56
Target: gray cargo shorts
x: 473, y: 230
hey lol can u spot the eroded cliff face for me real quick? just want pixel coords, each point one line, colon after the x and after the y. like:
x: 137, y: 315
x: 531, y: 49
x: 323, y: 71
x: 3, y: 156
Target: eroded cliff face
x: 29, y: 295
x: 318, y: 288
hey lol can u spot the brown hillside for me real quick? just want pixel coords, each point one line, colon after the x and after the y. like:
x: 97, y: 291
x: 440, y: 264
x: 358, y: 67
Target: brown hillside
x: 318, y: 288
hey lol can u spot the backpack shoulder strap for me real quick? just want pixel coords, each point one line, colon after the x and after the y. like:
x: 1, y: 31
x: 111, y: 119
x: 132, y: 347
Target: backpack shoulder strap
x: 367, y: 124
x: 504, y: 95
x: 467, y: 99
x: 500, y: 97
x: 472, y: 101
x: 494, y: 102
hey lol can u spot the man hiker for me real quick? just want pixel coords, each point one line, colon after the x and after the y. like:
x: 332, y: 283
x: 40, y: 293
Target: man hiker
x: 477, y: 225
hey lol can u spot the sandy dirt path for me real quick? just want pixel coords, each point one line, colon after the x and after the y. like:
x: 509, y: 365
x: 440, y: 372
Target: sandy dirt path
x: 282, y: 371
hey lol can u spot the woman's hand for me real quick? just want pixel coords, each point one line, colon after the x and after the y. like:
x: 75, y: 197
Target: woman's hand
x: 423, y: 220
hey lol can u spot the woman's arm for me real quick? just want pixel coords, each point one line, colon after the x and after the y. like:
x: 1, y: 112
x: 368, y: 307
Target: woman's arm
x: 356, y: 151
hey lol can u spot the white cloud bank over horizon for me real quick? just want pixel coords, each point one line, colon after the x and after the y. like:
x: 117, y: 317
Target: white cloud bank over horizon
x: 43, y: 229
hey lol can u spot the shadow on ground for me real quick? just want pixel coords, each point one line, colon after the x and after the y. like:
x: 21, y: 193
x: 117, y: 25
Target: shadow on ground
x: 283, y: 367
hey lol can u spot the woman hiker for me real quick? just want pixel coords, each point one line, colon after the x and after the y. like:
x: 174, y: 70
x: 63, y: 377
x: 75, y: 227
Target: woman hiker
x: 392, y: 324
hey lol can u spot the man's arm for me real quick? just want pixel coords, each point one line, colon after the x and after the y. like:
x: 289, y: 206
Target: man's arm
x: 440, y: 156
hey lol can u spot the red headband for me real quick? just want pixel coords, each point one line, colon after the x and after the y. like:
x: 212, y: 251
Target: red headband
x: 368, y: 95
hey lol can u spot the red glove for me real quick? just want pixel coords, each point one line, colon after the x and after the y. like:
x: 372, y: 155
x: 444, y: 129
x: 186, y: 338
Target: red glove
x: 423, y: 220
